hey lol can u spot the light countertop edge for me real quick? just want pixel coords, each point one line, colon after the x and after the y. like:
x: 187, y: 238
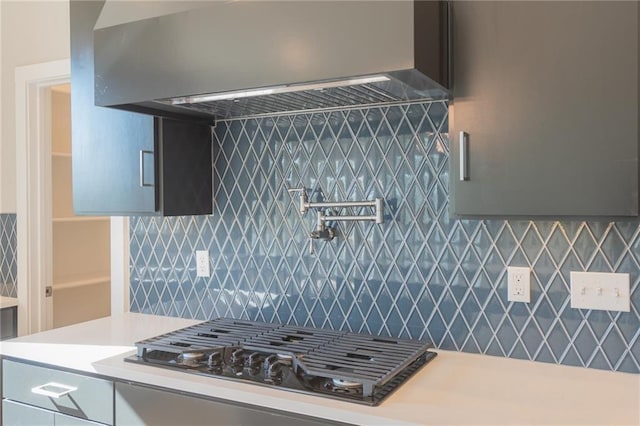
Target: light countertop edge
x: 8, y: 302
x: 455, y: 388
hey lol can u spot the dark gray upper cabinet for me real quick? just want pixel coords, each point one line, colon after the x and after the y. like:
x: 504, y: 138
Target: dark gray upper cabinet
x: 127, y: 163
x: 548, y: 94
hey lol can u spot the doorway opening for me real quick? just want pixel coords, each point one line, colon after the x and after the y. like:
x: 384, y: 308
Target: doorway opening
x: 35, y: 216
x: 80, y: 261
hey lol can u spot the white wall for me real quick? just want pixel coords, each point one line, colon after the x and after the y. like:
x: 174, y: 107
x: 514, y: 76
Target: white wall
x: 1, y: 96
x: 30, y: 33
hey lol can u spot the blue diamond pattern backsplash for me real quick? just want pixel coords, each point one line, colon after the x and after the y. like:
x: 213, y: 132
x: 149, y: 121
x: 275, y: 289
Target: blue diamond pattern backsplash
x: 421, y: 274
x: 8, y: 262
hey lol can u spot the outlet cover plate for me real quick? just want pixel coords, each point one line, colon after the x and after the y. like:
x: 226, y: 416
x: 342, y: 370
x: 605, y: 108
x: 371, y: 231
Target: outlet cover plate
x: 202, y: 263
x: 600, y: 290
x: 519, y: 284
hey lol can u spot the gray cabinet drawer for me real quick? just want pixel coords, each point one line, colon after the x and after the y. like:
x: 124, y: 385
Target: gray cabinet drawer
x: 62, y: 420
x: 87, y: 398
x: 138, y: 405
x: 16, y: 414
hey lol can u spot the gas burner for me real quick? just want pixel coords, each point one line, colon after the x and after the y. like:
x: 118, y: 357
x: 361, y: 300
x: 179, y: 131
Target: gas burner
x: 344, y: 384
x: 190, y: 359
x: 343, y: 387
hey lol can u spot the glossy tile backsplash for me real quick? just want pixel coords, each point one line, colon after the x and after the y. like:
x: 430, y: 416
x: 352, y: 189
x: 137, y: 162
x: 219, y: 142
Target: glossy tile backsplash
x: 8, y: 262
x: 421, y: 274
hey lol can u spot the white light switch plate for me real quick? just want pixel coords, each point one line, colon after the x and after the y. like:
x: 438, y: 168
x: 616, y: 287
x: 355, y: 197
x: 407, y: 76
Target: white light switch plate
x: 600, y: 290
x: 202, y: 263
x: 519, y: 284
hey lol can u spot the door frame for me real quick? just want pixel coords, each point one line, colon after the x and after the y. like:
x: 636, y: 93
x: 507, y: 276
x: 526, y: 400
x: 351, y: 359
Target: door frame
x: 33, y: 196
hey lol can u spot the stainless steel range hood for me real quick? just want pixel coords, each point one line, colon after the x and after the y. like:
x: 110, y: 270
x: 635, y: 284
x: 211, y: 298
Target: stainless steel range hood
x: 227, y: 59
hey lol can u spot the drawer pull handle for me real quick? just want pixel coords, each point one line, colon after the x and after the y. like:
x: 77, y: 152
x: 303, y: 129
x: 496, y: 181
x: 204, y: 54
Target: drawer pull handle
x: 53, y: 390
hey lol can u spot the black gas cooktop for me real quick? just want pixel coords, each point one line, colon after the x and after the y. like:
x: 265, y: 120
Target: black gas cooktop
x: 342, y: 365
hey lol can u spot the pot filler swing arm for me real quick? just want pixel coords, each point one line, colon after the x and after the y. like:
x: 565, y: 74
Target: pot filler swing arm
x: 326, y: 232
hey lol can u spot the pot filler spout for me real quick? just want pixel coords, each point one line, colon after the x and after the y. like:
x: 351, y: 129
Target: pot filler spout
x: 224, y: 60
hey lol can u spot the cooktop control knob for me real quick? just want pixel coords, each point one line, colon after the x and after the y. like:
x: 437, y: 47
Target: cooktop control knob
x: 272, y: 369
x: 237, y: 358
x: 253, y: 362
x: 214, y: 359
x: 214, y: 362
x: 268, y: 361
x: 237, y: 361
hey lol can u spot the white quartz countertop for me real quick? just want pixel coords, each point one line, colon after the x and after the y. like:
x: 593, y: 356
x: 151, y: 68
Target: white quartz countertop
x: 8, y: 302
x: 455, y: 388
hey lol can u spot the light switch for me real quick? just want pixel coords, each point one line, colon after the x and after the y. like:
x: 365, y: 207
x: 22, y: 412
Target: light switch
x: 600, y: 290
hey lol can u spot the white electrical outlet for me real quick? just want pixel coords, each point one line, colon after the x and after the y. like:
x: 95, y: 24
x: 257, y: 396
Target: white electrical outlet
x: 519, y: 284
x: 599, y: 290
x: 202, y: 263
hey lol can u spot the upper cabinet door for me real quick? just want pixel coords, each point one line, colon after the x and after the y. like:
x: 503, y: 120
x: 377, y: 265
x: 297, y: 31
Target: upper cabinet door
x: 126, y: 163
x: 113, y: 151
x: 548, y: 95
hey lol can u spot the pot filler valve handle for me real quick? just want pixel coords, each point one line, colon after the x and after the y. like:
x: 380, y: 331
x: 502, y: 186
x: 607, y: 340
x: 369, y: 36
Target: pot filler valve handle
x: 322, y: 232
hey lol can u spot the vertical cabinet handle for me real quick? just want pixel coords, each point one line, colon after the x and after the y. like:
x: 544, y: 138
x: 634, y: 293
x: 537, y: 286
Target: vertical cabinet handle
x: 142, y: 154
x: 53, y: 390
x: 464, y: 155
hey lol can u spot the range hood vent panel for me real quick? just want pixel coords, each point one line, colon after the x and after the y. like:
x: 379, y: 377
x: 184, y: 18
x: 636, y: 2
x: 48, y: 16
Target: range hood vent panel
x: 150, y: 64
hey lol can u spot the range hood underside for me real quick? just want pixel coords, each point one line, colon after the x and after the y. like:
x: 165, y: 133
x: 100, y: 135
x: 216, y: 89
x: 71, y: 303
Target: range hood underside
x: 392, y: 90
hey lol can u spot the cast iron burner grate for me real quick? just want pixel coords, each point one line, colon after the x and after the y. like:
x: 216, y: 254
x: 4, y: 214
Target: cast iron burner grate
x: 204, y: 336
x: 371, y: 361
x: 291, y: 340
x: 341, y: 365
